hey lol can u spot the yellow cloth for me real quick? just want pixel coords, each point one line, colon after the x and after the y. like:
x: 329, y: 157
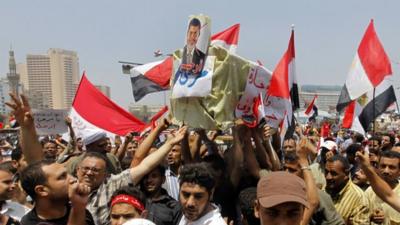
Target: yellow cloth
x: 392, y: 217
x: 217, y: 109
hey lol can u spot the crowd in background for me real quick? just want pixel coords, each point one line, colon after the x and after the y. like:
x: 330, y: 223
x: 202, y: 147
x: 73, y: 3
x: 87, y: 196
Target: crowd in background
x: 321, y: 174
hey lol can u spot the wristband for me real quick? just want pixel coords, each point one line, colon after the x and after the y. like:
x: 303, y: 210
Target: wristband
x: 305, y: 168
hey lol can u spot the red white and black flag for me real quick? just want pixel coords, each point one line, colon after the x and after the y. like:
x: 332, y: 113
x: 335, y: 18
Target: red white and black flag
x: 90, y: 107
x: 282, y: 95
x: 369, y: 68
x: 368, y: 91
x: 312, y: 109
x: 155, y: 76
x: 360, y: 113
x: 228, y: 38
x: 151, y: 77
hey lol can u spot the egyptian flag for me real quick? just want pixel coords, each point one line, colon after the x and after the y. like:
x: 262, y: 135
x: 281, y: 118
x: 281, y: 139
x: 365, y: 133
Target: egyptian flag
x: 282, y: 94
x: 155, y: 76
x: 360, y: 113
x: 228, y: 38
x: 312, y: 108
x: 92, y: 110
x: 13, y: 122
x: 369, y: 68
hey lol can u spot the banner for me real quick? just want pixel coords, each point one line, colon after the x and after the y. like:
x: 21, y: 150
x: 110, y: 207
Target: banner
x: 256, y: 87
x: 50, y: 121
x: 194, y: 85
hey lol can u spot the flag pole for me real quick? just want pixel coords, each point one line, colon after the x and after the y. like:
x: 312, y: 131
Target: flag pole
x: 373, y: 113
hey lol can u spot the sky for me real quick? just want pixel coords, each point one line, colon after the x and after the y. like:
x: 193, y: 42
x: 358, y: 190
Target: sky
x: 103, y: 32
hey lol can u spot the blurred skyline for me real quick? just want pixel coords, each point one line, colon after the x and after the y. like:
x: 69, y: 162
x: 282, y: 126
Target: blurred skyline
x: 327, y: 34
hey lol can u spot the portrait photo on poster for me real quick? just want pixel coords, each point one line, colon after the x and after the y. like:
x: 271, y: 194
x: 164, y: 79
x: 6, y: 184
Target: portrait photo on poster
x: 196, y: 46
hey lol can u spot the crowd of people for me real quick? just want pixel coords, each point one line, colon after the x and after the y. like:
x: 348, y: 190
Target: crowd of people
x: 180, y: 175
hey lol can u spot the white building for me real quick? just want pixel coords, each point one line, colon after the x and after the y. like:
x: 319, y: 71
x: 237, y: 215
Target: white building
x: 327, y: 99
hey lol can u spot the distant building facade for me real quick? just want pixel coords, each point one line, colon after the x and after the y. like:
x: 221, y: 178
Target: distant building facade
x: 104, y: 89
x: 50, y: 80
x: 4, y: 97
x: 144, y: 112
x: 327, y: 99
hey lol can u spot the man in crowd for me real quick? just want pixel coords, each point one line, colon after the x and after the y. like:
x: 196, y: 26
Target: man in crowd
x: 324, y: 212
x: 196, y: 191
x: 380, y: 187
x: 374, y: 144
x: 350, y: 201
x: 162, y: 208
x: 92, y: 171
x: 50, y: 186
x: 328, y: 149
x: 96, y: 141
x: 174, y: 161
x: 50, y: 149
x: 289, y: 145
x: 388, y: 141
x: 127, y: 203
x: 281, y: 199
x: 7, y: 191
x: 389, y: 170
x: 360, y: 179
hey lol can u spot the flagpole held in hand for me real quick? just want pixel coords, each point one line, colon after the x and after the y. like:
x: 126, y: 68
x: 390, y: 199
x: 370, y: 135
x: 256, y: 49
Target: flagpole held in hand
x: 373, y: 113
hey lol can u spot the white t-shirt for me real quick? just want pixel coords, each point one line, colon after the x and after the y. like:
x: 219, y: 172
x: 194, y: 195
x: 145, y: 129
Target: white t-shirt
x: 211, y: 218
x: 14, y: 210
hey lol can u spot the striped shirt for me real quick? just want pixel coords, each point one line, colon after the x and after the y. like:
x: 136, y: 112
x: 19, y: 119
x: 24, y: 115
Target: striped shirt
x: 171, y: 184
x: 391, y: 215
x: 352, y: 204
x: 98, y: 199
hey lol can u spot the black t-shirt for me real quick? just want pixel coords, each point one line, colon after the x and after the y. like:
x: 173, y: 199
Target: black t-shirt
x: 164, y: 210
x: 12, y: 221
x: 31, y: 218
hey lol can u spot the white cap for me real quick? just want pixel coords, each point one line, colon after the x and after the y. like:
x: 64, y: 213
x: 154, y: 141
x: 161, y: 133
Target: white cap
x: 138, y: 221
x: 330, y: 145
x: 91, y: 136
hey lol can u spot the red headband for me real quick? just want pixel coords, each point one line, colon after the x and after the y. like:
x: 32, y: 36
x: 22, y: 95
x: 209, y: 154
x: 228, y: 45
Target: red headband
x: 127, y: 199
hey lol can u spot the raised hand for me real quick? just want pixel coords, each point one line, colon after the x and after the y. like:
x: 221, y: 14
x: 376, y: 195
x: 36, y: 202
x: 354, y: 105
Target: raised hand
x: 164, y: 124
x: 78, y: 193
x: 178, y: 135
x: 268, y: 132
x: 363, y: 158
x: 68, y: 121
x: 21, y: 110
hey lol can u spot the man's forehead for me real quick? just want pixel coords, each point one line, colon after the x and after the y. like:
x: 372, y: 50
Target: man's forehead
x: 5, y: 175
x: 335, y: 165
x: 193, y: 29
x: 91, y: 161
x: 289, y: 142
x: 193, y: 188
x: 389, y: 160
x: 54, y: 168
x: 176, y: 147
